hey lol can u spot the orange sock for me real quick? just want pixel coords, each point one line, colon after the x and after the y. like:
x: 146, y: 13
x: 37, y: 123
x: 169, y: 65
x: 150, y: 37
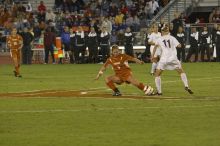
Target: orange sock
x: 111, y: 85
x: 141, y: 86
x: 17, y: 69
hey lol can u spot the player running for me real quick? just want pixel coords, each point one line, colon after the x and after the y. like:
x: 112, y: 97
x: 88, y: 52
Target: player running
x: 123, y: 73
x: 15, y: 43
x: 168, y: 59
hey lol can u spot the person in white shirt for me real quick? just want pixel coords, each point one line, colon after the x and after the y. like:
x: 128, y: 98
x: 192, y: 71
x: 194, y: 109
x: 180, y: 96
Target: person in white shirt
x: 152, y: 40
x: 50, y: 16
x: 154, y: 6
x: 168, y: 59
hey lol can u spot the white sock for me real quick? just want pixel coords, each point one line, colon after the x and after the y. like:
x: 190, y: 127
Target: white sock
x: 184, y: 79
x: 153, y: 67
x: 158, y: 84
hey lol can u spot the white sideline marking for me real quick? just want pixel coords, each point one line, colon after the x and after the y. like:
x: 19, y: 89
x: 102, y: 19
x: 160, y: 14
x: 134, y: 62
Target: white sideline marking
x: 47, y: 91
x: 103, y: 109
x: 93, y: 89
x: 100, y: 88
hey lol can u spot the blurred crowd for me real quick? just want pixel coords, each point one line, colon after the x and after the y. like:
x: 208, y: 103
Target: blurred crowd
x: 78, y: 21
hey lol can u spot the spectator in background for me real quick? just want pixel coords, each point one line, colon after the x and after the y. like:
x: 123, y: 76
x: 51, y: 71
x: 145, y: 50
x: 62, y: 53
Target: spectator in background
x: 114, y: 38
x: 128, y: 42
x: 26, y: 49
x: 177, y: 22
x: 181, y: 37
x: 29, y: 7
x: 105, y: 7
x: 148, y: 11
x: 65, y: 40
x: 80, y: 45
x: 193, y: 39
x: 72, y: 45
x: 122, y: 26
x: 107, y: 24
x: 49, y: 43
x: 104, y: 44
x: 119, y: 18
x: 92, y: 43
x: 41, y: 7
x: 36, y: 30
x: 124, y: 9
x: 41, y: 16
x: 205, y: 39
x: 218, y: 44
x: 50, y: 16
x: 136, y: 24
x: 214, y: 17
x: 120, y: 36
x: 113, y: 10
x: 129, y: 20
x: 154, y: 7
x: 171, y: 29
x: 58, y: 3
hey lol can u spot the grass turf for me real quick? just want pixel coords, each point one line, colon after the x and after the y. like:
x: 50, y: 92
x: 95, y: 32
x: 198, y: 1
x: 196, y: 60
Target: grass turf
x: 188, y: 121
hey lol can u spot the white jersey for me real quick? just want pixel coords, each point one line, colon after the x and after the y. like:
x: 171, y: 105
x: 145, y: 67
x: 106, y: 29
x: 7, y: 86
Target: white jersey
x: 153, y: 38
x: 168, y: 46
x: 168, y: 58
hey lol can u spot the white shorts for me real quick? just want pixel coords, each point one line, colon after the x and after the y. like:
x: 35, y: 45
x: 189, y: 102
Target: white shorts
x: 157, y: 53
x: 175, y: 64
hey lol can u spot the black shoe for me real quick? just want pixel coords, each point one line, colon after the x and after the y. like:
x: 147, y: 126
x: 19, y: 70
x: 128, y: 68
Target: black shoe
x: 188, y: 90
x: 158, y: 94
x: 19, y: 76
x: 15, y: 73
x: 116, y: 94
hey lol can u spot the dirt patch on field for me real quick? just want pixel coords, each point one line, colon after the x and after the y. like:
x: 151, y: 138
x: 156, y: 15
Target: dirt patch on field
x: 77, y: 94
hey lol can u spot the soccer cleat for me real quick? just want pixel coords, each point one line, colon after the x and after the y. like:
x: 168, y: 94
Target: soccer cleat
x: 15, y: 73
x: 116, y: 93
x: 159, y: 94
x: 19, y: 76
x: 188, y: 90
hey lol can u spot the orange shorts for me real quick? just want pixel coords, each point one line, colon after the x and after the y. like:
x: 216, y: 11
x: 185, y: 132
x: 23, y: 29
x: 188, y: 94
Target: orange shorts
x: 124, y: 76
x: 16, y: 54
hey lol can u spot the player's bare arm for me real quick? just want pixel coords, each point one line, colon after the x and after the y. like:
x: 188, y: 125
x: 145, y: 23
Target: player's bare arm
x: 137, y: 61
x: 179, y: 46
x: 101, y: 71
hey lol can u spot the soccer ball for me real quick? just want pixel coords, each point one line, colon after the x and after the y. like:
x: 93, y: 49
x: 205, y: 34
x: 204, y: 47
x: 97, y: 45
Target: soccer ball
x: 148, y: 90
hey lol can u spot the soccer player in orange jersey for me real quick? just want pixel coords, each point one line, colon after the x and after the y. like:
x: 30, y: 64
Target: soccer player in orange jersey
x: 15, y: 43
x: 123, y: 73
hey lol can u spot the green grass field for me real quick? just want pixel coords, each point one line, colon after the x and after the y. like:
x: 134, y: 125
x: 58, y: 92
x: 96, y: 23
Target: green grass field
x: 175, y: 119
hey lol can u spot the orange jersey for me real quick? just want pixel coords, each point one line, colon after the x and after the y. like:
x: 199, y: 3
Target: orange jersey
x: 119, y: 63
x: 14, y: 42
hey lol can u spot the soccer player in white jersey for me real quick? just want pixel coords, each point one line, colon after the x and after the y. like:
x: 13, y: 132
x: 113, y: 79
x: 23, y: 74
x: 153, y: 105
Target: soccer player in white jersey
x: 152, y: 40
x: 168, y: 59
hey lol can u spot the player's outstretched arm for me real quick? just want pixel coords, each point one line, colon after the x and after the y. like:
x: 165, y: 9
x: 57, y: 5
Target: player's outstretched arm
x: 100, y: 72
x: 137, y: 61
